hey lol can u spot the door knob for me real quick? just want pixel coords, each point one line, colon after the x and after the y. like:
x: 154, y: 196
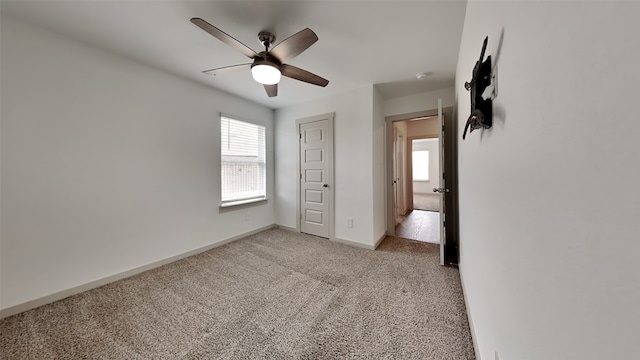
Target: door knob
x: 325, y: 185
x: 440, y: 190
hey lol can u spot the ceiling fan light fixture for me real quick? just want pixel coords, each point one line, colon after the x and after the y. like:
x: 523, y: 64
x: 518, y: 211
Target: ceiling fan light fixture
x: 266, y: 74
x: 269, y: 65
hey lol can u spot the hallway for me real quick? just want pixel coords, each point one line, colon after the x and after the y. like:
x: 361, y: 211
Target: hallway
x: 420, y: 225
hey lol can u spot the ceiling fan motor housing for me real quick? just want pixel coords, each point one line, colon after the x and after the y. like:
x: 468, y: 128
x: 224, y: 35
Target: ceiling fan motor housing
x: 266, y: 38
x: 264, y: 58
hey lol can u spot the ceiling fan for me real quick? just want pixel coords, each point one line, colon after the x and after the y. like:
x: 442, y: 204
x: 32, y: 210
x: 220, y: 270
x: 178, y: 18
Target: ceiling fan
x: 268, y: 65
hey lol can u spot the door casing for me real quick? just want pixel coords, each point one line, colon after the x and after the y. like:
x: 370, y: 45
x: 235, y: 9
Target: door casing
x: 409, y: 188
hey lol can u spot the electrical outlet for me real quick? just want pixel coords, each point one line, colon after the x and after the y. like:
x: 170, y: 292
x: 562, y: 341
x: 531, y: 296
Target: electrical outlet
x: 247, y: 217
x: 349, y: 222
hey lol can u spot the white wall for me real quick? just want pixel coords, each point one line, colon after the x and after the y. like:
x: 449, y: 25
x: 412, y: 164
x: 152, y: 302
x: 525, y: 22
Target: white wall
x: 419, y: 102
x: 107, y: 164
x: 353, y: 187
x: 550, y: 267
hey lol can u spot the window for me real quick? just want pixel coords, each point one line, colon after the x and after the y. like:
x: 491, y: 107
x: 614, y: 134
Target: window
x: 420, y: 163
x: 244, y: 165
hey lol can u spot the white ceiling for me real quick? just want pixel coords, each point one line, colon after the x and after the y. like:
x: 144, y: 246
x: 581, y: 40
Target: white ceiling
x: 361, y: 42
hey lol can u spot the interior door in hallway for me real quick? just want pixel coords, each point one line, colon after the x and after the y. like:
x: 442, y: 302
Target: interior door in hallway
x: 316, y: 175
x: 398, y: 179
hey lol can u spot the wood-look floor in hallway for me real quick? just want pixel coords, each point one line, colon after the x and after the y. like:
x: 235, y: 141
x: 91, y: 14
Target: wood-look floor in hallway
x: 420, y: 225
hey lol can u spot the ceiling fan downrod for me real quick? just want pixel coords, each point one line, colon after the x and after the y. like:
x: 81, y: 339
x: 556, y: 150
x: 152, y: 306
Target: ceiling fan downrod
x: 267, y: 39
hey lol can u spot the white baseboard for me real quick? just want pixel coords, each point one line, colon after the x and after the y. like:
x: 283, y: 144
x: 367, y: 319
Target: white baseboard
x: 16, y: 309
x: 471, y: 327
x: 384, y: 236
x: 353, y: 243
x: 341, y: 241
x: 287, y: 228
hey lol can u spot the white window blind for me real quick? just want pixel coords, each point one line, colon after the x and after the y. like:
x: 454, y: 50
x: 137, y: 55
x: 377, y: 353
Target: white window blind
x: 243, y: 155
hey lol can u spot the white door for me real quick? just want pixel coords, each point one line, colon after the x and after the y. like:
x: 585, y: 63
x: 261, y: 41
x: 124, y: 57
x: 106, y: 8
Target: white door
x: 400, y: 178
x: 316, y: 169
x: 396, y: 215
x: 397, y: 174
x: 443, y: 186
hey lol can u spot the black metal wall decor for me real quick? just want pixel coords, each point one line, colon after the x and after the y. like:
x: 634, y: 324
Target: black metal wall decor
x: 481, y: 107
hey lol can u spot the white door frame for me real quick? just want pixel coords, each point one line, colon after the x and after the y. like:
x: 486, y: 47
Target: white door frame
x: 410, y: 163
x: 331, y: 181
x: 443, y: 234
x: 401, y: 174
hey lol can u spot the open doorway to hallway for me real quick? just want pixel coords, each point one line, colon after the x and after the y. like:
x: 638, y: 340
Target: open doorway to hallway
x: 441, y: 124
x: 417, y: 172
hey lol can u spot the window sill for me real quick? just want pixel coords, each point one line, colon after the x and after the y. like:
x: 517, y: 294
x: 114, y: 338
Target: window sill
x: 232, y: 204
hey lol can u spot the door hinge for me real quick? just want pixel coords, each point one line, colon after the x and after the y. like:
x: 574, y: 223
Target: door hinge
x: 300, y: 136
x: 300, y: 176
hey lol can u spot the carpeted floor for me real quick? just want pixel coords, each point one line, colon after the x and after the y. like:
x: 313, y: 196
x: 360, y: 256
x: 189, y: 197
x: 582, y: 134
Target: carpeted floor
x: 427, y: 202
x: 273, y: 295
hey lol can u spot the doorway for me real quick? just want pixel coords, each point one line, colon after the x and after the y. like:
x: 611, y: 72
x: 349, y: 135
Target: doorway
x: 424, y: 159
x: 448, y: 218
x: 420, y: 219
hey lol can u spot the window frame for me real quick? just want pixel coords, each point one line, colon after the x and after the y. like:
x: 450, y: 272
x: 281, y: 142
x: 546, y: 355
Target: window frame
x: 225, y: 204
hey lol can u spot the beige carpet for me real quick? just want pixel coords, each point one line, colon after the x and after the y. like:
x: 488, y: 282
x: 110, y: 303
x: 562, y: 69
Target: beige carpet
x: 273, y: 295
x: 428, y: 202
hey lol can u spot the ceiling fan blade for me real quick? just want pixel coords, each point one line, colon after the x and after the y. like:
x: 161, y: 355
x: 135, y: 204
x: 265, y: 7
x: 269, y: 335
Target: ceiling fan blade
x: 272, y: 90
x: 227, y: 69
x: 224, y: 37
x: 302, y: 75
x: 294, y: 45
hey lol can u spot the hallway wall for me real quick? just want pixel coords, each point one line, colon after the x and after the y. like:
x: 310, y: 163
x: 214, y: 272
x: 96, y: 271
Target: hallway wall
x: 550, y: 273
